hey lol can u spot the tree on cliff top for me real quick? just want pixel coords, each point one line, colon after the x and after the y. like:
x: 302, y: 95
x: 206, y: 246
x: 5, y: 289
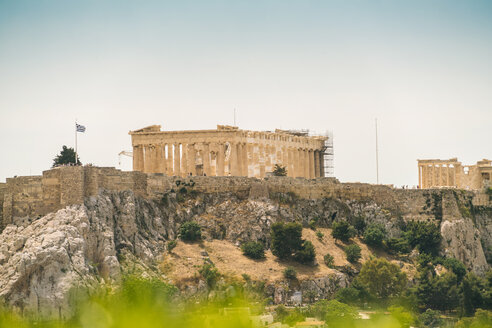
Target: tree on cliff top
x: 66, y: 156
x: 279, y: 171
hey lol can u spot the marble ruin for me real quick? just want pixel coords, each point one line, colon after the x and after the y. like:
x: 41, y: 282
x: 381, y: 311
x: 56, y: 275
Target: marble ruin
x: 227, y: 151
x: 434, y: 173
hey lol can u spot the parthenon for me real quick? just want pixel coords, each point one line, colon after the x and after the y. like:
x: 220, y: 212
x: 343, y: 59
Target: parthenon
x: 227, y: 151
x: 435, y: 173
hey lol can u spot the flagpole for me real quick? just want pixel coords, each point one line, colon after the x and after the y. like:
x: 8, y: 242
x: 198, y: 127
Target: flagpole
x: 76, y: 161
x: 377, y: 155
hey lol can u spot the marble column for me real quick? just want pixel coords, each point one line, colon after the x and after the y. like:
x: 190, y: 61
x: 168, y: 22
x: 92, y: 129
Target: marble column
x: 316, y: 164
x: 262, y: 160
x: 297, y: 163
x: 311, y: 163
x: 249, y: 155
x: 206, y: 159
x: 147, y: 159
x: 244, y: 160
x: 290, y: 163
x: 239, y: 162
x: 420, y: 176
x: 447, y: 176
x: 191, y: 157
x: 155, y: 162
x: 177, y: 160
x: 161, y: 164
x: 220, y: 159
x: 433, y: 174
x: 169, y: 159
x: 138, y: 158
x: 306, y: 163
x: 184, y: 160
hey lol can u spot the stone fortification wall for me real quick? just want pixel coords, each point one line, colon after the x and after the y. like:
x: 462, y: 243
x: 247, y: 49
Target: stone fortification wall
x: 34, y: 196
x: 3, y: 189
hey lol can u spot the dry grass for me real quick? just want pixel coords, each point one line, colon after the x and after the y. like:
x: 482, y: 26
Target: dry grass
x: 183, y: 263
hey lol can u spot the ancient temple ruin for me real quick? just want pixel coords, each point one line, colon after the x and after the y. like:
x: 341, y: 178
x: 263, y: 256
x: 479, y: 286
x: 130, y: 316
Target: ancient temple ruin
x: 435, y: 173
x: 227, y: 151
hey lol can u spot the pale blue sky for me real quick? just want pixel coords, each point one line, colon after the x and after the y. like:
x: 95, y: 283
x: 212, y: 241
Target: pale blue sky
x: 423, y: 68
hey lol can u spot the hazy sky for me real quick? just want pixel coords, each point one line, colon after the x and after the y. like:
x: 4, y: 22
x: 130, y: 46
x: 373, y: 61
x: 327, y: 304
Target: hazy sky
x: 423, y: 68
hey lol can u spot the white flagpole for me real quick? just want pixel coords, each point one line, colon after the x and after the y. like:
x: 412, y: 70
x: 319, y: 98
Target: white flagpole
x: 76, y: 161
x: 377, y: 155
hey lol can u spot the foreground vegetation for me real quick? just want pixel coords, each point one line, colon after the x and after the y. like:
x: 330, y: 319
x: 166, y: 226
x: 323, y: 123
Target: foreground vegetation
x: 379, y: 291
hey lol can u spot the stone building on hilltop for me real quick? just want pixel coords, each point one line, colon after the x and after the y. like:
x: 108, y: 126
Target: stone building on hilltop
x: 228, y: 151
x: 434, y: 173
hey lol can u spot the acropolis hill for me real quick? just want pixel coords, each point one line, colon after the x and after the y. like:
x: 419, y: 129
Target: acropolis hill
x: 75, y: 223
x: 79, y: 224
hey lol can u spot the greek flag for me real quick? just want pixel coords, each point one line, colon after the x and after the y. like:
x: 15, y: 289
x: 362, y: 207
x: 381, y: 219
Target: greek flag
x: 79, y: 128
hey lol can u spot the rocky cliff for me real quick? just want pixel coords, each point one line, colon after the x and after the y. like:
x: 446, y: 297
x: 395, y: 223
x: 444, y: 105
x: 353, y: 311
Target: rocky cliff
x: 43, y: 258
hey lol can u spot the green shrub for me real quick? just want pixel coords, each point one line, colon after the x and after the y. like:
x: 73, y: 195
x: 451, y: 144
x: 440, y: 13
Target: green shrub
x: 210, y: 273
x: 190, y: 231
x: 356, y: 293
x: 398, y: 245
x: 180, y: 198
x: 359, y: 225
x: 431, y: 318
x: 437, y: 292
x: 294, y: 317
x: 253, y: 250
x: 382, y: 278
x: 339, y: 314
x: 353, y: 253
x: 404, y: 317
x: 456, y: 266
x: 306, y: 254
x: 342, y: 231
x: 319, y: 235
x: 374, y: 235
x: 312, y: 224
x: 286, y: 239
x: 171, y: 245
x: 329, y: 260
x: 426, y: 236
x: 139, y: 290
x: 290, y: 273
x: 246, y: 277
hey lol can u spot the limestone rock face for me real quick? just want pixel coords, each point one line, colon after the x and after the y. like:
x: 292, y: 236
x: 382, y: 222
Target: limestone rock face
x: 43, y: 259
x: 461, y: 240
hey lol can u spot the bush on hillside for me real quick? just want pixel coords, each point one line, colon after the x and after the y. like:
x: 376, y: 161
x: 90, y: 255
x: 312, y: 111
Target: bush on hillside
x: 306, y: 254
x: 374, y: 235
x: 382, y: 278
x: 210, y: 273
x: 190, y: 231
x: 329, y: 260
x: 253, y: 250
x: 342, y: 231
x: 425, y: 236
x: 171, y: 245
x: 286, y: 239
x: 398, y: 246
x: 353, y: 253
x: 290, y: 273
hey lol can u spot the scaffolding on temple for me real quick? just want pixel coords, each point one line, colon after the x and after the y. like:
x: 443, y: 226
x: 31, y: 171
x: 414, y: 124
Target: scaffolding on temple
x: 329, y: 156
